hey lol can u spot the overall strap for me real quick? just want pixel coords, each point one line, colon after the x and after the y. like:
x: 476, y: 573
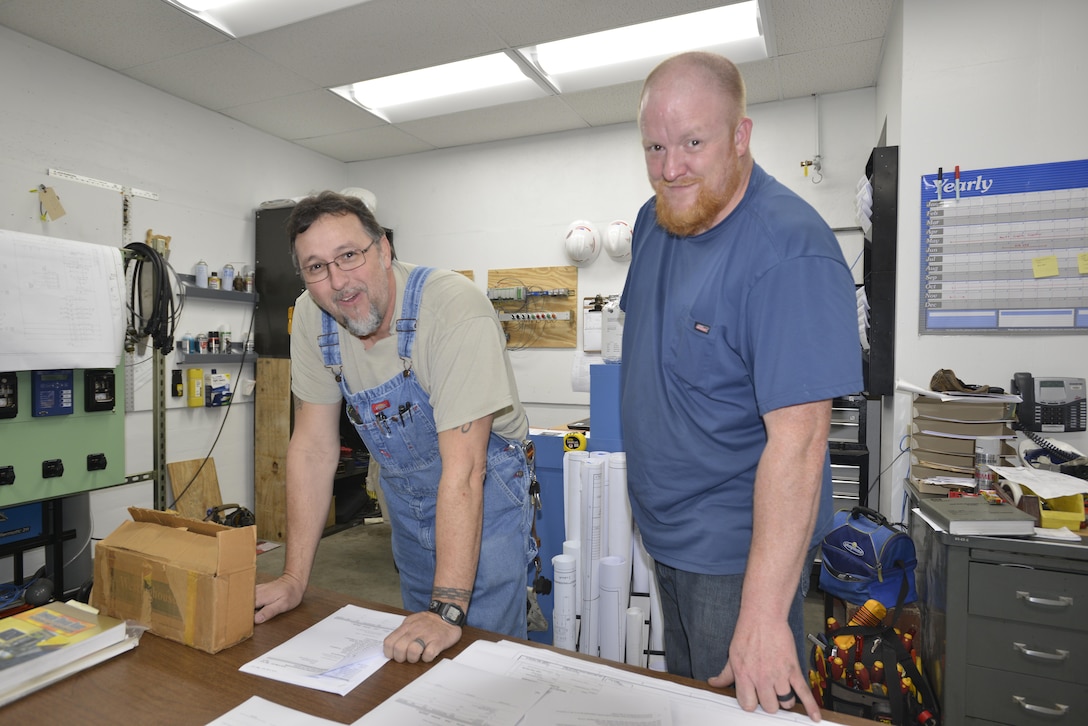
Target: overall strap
x: 407, y: 323
x: 329, y: 343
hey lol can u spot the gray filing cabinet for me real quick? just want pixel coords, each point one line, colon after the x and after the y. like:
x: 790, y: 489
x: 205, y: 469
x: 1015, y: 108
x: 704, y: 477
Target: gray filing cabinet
x: 1005, y: 625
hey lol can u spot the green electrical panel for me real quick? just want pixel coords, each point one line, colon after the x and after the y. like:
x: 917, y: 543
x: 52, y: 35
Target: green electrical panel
x: 60, y: 434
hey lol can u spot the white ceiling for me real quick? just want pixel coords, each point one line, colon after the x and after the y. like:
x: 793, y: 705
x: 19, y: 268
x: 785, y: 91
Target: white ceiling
x: 275, y: 81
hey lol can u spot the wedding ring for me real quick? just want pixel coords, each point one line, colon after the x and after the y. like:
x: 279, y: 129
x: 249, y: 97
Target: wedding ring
x: 786, y: 698
x: 422, y: 645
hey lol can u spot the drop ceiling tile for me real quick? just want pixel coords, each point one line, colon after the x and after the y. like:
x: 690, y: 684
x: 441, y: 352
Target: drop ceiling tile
x: 375, y: 143
x: 829, y: 70
x: 117, y: 34
x: 529, y: 118
x: 603, y: 106
x: 761, y: 81
x: 304, y: 115
x: 223, y: 76
x: 802, y: 26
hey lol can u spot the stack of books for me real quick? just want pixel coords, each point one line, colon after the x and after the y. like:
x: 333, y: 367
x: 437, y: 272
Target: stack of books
x: 944, y: 431
x: 42, y: 645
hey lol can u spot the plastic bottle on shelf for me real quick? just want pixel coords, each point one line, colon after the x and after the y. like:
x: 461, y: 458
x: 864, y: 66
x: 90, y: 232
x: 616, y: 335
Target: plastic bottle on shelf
x: 187, y: 344
x: 201, y: 273
x: 213, y: 281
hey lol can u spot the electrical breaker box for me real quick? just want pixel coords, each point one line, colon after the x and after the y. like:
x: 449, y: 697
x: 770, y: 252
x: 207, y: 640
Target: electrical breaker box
x: 64, y: 438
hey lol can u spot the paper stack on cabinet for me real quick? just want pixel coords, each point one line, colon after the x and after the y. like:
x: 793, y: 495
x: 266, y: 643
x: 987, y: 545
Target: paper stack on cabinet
x: 944, y: 432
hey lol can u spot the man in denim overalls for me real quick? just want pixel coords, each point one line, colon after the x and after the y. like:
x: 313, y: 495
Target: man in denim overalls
x: 419, y: 357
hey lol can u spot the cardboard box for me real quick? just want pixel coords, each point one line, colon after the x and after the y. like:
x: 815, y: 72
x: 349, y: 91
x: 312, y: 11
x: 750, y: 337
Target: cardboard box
x: 184, y: 579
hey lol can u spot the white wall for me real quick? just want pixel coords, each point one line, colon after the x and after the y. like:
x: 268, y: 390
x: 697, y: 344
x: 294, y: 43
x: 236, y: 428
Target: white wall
x: 210, y: 173
x: 509, y: 204
x: 985, y: 83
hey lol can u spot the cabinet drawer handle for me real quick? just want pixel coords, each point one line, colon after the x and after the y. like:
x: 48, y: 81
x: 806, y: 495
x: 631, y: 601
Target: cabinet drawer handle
x: 1062, y: 602
x: 1041, y: 654
x: 1061, y: 710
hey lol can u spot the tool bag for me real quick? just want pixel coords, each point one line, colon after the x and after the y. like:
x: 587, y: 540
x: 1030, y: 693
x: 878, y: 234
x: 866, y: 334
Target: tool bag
x: 878, y: 675
x: 865, y: 557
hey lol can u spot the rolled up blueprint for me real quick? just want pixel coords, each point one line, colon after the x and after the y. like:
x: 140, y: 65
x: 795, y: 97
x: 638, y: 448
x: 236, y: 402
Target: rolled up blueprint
x: 573, y: 547
x: 592, y: 483
x: 613, y: 607
x: 564, y: 624
x: 635, y: 642
x: 572, y: 492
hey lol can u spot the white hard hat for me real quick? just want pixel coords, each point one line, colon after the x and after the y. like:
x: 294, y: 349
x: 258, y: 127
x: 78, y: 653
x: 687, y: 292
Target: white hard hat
x: 617, y: 240
x: 581, y: 242
x: 366, y: 195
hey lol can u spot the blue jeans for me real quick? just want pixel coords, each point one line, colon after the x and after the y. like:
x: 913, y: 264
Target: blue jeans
x: 700, y: 613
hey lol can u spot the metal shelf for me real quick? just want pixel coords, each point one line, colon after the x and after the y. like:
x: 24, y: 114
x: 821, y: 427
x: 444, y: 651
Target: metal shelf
x: 190, y: 289
x: 237, y: 355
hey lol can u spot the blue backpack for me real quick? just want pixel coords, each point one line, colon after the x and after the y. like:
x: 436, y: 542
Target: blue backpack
x: 865, y: 557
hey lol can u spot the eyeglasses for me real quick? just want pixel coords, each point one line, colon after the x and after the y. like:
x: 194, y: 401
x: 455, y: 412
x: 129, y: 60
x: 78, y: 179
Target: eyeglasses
x: 350, y: 260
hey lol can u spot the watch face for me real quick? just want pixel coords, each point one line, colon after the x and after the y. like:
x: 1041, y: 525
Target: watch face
x: 448, y: 611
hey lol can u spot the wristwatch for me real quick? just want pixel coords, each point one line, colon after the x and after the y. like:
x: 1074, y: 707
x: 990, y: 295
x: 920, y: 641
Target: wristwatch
x: 452, y: 614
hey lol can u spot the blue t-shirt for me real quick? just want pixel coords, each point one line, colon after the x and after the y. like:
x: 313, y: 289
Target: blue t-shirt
x: 756, y: 314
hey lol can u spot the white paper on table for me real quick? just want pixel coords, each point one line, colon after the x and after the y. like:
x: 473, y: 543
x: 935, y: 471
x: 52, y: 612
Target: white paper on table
x: 334, y: 655
x: 258, y: 711
x: 570, y: 675
x: 608, y: 707
x: 1043, y: 482
x: 455, y: 693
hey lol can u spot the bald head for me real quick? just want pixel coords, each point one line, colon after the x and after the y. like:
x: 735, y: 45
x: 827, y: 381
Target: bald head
x: 703, y: 73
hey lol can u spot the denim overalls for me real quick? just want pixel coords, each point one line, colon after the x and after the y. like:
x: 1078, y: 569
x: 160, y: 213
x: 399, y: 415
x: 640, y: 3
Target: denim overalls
x: 396, y: 422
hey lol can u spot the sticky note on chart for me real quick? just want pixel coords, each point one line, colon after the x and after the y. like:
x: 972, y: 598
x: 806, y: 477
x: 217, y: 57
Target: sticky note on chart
x: 1045, y: 266
x: 1082, y: 263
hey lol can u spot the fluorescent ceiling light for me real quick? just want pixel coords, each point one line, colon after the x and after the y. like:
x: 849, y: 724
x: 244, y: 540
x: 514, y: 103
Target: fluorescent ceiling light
x: 239, y: 18
x: 589, y: 61
x: 630, y: 53
x: 489, y: 80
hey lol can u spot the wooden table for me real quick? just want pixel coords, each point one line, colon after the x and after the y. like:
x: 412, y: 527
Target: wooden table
x: 164, y: 682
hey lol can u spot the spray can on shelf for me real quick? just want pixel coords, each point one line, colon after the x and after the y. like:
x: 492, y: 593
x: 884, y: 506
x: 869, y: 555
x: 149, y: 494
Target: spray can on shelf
x: 227, y: 277
x: 201, y: 273
x: 224, y: 339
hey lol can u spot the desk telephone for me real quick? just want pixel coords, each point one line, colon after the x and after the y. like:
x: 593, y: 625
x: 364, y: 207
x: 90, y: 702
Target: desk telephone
x: 1052, y: 405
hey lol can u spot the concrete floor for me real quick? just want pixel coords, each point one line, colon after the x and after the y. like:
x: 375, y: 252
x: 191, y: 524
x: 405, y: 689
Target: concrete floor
x: 356, y: 561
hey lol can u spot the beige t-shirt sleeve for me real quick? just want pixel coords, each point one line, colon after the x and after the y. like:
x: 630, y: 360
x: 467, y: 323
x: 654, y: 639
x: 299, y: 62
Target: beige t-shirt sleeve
x: 462, y: 356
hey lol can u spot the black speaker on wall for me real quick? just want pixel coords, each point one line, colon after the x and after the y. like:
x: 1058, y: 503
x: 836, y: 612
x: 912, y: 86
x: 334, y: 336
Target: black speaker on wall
x: 879, y: 257
x: 275, y: 283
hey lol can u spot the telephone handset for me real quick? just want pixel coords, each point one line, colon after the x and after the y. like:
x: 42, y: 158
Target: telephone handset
x: 1052, y: 405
